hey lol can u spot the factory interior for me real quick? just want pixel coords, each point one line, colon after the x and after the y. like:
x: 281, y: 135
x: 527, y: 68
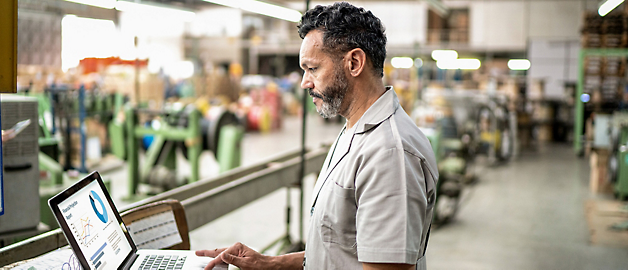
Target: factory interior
x: 193, y: 114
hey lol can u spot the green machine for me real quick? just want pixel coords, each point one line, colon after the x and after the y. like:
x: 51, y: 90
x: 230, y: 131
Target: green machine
x: 165, y: 131
x: 618, y: 162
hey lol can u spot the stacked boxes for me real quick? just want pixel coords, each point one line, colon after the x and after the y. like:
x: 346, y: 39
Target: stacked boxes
x: 603, y: 79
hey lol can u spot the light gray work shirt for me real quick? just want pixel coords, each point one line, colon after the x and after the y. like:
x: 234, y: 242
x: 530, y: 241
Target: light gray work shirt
x: 374, y: 197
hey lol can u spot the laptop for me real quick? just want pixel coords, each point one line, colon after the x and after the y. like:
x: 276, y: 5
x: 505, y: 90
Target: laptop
x: 100, y: 240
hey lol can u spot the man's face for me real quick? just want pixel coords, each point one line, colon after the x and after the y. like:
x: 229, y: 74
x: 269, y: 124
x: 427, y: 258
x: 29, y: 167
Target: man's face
x: 323, y: 76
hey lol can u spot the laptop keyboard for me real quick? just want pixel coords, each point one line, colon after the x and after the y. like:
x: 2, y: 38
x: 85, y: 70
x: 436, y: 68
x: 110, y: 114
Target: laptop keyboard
x: 162, y: 262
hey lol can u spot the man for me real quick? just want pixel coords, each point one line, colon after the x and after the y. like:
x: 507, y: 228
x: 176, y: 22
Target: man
x: 373, y: 200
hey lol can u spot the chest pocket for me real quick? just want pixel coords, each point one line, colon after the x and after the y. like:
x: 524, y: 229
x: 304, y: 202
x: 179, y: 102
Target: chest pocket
x: 338, y: 221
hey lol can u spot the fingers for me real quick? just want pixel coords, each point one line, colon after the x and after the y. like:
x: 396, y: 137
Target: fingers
x: 230, y: 259
x: 210, y: 253
x: 223, y: 257
x: 231, y: 255
x: 213, y: 263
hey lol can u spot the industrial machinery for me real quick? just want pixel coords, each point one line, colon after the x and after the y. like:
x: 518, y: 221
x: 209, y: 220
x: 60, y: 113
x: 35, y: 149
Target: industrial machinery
x: 165, y: 131
x: 453, y: 157
x: 69, y: 110
x: 618, y: 160
x: 495, y: 131
x: 21, y: 165
x: 444, y: 117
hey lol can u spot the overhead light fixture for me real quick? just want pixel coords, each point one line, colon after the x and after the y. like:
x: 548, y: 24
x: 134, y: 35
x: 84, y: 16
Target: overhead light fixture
x: 401, y: 62
x: 108, y: 4
x: 519, y: 64
x: 468, y: 63
x: 462, y: 63
x: 438, y: 55
x: 608, y: 6
x: 262, y: 8
x: 155, y: 10
x: 180, y: 69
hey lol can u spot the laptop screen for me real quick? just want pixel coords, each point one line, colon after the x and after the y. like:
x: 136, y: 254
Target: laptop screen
x: 94, y: 227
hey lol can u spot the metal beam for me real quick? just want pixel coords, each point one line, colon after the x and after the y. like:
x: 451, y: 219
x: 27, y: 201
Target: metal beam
x: 196, y: 188
x: 32, y: 247
x: 8, y: 46
x: 231, y: 191
x: 203, y: 208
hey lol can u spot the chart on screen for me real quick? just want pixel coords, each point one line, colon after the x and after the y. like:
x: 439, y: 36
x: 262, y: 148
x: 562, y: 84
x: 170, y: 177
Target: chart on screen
x: 85, y: 229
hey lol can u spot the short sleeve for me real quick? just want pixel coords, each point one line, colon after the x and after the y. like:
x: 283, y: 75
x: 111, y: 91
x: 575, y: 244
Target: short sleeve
x: 391, y: 207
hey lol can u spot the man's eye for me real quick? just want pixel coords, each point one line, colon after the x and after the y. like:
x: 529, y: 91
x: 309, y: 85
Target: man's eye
x: 312, y: 69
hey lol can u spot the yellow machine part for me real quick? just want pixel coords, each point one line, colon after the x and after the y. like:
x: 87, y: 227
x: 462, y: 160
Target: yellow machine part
x: 8, y: 46
x: 494, y: 138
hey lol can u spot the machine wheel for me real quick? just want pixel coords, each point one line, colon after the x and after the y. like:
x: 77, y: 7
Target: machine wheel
x: 447, y: 201
x: 445, y: 209
x: 613, y: 162
x: 210, y: 129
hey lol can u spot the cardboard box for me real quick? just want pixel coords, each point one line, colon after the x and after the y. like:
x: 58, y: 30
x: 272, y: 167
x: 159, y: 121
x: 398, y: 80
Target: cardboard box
x: 598, y: 181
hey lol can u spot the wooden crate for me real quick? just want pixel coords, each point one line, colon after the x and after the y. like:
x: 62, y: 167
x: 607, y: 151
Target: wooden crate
x: 613, y: 40
x: 591, y: 40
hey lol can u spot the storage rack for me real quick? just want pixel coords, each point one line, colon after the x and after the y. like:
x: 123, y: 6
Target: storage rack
x: 579, y: 115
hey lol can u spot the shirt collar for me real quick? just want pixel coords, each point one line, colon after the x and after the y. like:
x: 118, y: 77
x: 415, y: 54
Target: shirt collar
x: 382, y: 109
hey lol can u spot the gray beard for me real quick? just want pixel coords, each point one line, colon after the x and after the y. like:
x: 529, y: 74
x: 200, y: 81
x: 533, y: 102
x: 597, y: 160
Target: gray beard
x: 334, y: 95
x: 330, y: 109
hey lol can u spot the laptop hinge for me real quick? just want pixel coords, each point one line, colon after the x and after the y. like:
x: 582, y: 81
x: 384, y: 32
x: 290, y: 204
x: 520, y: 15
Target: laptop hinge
x: 130, y: 261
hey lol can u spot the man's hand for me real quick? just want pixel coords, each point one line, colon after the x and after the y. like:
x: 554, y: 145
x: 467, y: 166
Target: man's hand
x: 239, y: 255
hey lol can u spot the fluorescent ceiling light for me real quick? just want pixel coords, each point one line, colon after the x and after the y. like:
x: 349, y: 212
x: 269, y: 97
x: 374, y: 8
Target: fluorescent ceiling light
x: 401, y: 62
x: 180, y: 69
x: 261, y: 8
x: 155, y: 10
x: 462, y: 63
x: 438, y: 55
x: 468, y: 63
x: 519, y: 64
x: 608, y: 6
x: 446, y: 64
x: 108, y: 4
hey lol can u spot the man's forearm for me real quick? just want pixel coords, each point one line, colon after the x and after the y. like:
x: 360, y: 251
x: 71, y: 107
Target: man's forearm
x: 291, y: 261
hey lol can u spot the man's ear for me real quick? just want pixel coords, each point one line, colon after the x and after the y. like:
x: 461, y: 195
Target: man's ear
x: 356, y: 61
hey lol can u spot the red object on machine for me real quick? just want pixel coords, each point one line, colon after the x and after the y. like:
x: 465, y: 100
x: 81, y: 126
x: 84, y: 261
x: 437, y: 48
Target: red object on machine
x: 91, y: 64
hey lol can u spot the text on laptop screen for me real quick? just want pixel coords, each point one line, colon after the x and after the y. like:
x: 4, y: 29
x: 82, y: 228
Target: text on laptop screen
x: 95, y: 228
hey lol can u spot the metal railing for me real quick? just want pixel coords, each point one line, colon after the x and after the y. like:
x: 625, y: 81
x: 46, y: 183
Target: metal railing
x: 231, y: 191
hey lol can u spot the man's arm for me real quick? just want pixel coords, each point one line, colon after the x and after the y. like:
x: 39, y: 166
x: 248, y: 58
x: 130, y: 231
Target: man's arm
x: 246, y: 258
x: 387, y: 266
x: 289, y: 261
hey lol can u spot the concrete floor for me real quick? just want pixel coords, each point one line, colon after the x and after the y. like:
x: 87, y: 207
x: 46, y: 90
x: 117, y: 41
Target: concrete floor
x: 527, y: 214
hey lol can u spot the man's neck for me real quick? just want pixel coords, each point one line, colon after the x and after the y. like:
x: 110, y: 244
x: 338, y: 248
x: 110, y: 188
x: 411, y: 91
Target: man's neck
x: 363, y: 95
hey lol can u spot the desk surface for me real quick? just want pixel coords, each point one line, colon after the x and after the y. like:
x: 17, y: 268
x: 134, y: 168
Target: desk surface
x: 62, y: 258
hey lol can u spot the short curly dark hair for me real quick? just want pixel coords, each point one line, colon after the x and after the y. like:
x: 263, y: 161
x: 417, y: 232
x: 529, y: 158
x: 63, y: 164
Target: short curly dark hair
x: 346, y: 27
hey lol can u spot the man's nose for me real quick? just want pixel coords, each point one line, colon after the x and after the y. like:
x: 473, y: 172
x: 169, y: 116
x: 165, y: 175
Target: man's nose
x: 306, y: 82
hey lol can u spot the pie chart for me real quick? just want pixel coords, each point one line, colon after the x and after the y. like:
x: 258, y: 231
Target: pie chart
x: 102, y: 214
